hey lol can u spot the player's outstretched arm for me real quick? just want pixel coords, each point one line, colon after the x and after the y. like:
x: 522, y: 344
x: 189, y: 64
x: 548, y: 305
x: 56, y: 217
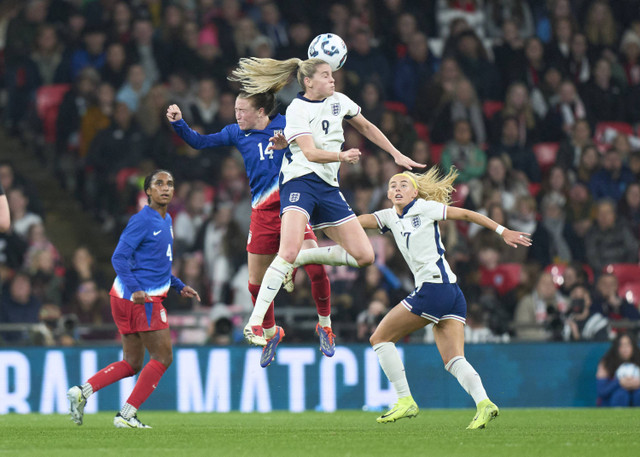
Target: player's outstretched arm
x: 368, y: 221
x: 193, y: 138
x: 375, y: 135
x: 511, y: 237
x: 313, y: 154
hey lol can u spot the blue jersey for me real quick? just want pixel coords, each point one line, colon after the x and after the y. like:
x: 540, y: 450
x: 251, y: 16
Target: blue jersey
x: 142, y: 260
x: 263, y: 167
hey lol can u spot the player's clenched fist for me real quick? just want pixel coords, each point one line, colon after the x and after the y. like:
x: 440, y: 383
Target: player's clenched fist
x: 351, y: 155
x: 174, y: 113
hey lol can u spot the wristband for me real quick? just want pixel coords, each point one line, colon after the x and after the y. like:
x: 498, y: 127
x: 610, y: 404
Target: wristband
x: 339, y: 156
x: 499, y: 230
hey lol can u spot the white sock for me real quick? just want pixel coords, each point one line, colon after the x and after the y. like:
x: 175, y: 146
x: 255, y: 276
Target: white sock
x: 392, y: 366
x: 467, y: 377
x: 128, y: 411
x: 332, y: 255
x: 87, y: 390
x: 269, y: 332
x: 325, y: 321
x: 269, y: 288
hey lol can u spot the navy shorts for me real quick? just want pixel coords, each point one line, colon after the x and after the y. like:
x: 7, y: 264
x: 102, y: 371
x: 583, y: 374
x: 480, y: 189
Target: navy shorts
x: 324, y: 205
x: 437, y: 302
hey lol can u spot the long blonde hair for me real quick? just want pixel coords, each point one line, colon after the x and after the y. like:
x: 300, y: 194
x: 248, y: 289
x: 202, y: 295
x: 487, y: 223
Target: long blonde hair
x: 257, y: 75
x: 432, y: 185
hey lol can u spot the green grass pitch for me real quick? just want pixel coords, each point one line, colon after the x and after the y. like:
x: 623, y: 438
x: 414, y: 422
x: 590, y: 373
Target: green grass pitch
x: 516, y: 432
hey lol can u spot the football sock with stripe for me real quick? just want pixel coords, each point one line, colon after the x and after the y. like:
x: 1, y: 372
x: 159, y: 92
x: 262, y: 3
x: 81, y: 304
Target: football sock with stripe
x: 146, y: 384
x: 393, y: 367
x: 467, y: 377
x: 271, y: 283
x: 269, y: 317
x: 332, y: 255
x: 108, y: 375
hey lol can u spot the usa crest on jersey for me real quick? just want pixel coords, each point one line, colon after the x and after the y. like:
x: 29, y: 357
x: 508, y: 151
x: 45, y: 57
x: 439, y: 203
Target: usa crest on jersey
x: 278, y: 132
x: 294, y: 197
x: 415, y: 222
x: 335, y: 108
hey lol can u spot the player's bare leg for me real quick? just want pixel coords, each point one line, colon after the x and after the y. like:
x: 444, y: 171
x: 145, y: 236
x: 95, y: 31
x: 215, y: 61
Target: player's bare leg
x: 449, y: 336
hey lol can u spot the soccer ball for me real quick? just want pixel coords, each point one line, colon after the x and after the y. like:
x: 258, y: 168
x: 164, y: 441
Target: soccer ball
x: 330, y: 48
x: 628, y: 370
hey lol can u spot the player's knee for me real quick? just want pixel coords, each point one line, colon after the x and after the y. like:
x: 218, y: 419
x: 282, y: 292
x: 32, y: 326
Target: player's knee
x: 366, y: 258
x: 289, y: 254
x: 135, y: 364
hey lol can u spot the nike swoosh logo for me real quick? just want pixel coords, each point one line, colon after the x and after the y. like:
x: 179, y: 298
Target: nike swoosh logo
x: 247, y: 134
x: 155, y: 233
x: 271, y: 288
x: 390, y: 413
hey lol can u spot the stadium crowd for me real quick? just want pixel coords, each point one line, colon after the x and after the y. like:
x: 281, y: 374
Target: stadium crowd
x: 535, y: 103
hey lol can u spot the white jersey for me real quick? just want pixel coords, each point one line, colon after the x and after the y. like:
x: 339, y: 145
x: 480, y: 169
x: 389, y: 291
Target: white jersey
x: 418, y: 237
x: 322, y: 120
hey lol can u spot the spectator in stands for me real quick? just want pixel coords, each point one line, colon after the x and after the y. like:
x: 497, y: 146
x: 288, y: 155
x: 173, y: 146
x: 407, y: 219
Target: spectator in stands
x: 570, y: 149
x: 114, y: 71
x: 191, y: 268
x: 612, y: 180
x: 18, y: 305
x: 565, y: 113
x: 609, y: 240
x: 538, y: 315
x: 21, y: 217
x: 629, y: 208
x: 603, y: 98
x: 188, y: 222
x: 368, y: 320
x: 581, y: 323
x: 508, y: 50
x: 630, y: 50
x: 46, y: 282
x: 93, y: 52
x: 588, y: 164
x: 371, y: 102
x: 474, y: 63
x: 273, y: 25
x: 74, y: 105
x: 554, y: 222
x: 517, y: 105
x: 579, y: 62
x: 611, y: 305
x: 300, y: 36
x: 497, y: 12
x: 618, y: 375
x: 574, y: 275
x: 469, y: 10
x: 83, y: 267
x: 399, y: 129
x: 438, y: 91
x: 462, y: 105
x: 120, y: 24
x: 147, y: 51
x: 600, y: 27
x: 413, y: 71
x: 97, y: 116
x: 51, y: 61
x: 136, y: 87
x: 501, y: 181
x: 90, y: 307
x: 205, y: 106
x: 558, y: 50
x: 520, y: 155
x: 463, y: 154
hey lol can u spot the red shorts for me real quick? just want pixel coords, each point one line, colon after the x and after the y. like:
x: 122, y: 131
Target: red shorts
x: 132, y: 318
x: 264, y: 232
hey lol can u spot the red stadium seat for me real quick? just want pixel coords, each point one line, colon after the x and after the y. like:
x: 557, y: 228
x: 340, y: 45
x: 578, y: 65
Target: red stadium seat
x: 504, y: 278
x: 398, y: 107
x: 460, y: 194
x: 436, y: 152
x: 625, y: 272
x: 546, y: 154
x: 631, y: 291
x: 48, y: 100
x: 601, y: 127
x: 491, y: 107
x: 422, y: 130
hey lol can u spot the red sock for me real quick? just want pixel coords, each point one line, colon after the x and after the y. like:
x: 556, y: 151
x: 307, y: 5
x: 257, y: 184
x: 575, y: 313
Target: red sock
x: 147, y: 382
x: 320, y: 288
x: 269, y: 318
x: 109, y: 375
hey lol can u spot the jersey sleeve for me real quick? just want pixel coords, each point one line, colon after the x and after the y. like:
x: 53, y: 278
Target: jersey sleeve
x: 197, y: 141
x: 135, y: 231
x: 383, y: 219
x: 297, y: 122
x: 434, y: 210
x: 352, y: 109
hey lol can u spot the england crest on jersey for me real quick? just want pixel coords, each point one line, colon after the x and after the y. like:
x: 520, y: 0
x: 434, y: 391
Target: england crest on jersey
x: 415, y: 222
x: 335, y: 108
x: 294, y: 197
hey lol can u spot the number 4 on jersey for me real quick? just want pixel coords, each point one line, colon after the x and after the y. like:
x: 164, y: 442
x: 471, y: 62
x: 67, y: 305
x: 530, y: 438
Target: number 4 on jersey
x: 169, y: 253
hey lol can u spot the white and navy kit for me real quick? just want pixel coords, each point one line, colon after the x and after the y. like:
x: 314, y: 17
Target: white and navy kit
x: 437, y: 295
x: 311, y: 187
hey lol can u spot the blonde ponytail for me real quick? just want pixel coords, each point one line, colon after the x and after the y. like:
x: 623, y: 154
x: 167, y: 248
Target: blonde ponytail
x: 433, y: 186
x: 257, y: 76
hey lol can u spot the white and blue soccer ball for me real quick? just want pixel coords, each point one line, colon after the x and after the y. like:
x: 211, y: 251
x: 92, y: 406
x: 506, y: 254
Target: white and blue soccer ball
x: 330, y: 48
x: 630, y: 370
